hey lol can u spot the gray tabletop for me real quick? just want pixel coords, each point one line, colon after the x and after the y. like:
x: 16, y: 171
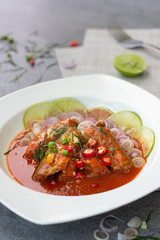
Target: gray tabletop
x: 61, y: 22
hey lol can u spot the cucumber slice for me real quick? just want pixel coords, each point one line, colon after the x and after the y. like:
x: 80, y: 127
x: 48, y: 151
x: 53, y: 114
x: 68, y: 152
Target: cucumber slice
x: 99, y: 113
x: 39, y: 111
x: 130, y: 64
x: 126, y: 120
x: 145, y: 136
x: 69, y: 105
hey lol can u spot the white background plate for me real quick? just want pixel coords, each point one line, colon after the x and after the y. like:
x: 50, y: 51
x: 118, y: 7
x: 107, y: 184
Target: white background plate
x: 91, y: 90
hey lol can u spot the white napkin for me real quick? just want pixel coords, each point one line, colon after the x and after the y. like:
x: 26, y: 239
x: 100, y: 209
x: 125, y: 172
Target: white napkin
x: 98, y: 52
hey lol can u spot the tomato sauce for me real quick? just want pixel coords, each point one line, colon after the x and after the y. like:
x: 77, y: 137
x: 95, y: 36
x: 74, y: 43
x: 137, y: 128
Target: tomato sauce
x: 22, y: 172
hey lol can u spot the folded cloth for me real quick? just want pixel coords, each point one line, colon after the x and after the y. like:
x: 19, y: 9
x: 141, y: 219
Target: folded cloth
x: 98, y: 52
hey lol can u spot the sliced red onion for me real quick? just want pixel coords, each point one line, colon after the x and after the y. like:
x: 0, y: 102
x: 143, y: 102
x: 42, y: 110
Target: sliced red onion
x: 93, y: 120
x: 29, y: 135
x: 134, y: 222
x: 69, y: 65
x: 51, y: 121
x: 84, y: 125
x: 62, y: 115
x: 102, y: 235
x: 115, y: 132
x: 36, y: 129
x: 121, y: 236
x: 138, y: 162
x: 110, y: 124
x: 24, y: 142
x: 134, y: 152
x: 122, y: 132
x: 131, y: 233
x: 127, y: 144
x: 136, y: 145
x: 110, y: 228
x: 39, y: 122
x: 122, y: 137
x: 77, y: 116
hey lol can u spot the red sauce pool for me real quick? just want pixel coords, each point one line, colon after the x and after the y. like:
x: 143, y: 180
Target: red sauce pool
x: 22, y: 173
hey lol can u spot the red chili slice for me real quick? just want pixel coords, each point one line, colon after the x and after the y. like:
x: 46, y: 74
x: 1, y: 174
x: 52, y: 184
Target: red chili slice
x: 106, y: 160
x: 69, y: 147
x: 74, y: 44
x: 79, y: 164
x: 88, y: 153
x: 102, y: 150
x: 52, y: 182
x: 96, y: 185
x: 92, y: 142
x: 78, y: 175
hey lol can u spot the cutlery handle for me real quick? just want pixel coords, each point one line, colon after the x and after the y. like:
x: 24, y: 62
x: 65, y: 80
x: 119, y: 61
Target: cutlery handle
x: 151, y: 47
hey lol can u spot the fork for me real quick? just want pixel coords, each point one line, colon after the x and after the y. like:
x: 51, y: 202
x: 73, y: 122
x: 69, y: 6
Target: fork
x: 126, y: 41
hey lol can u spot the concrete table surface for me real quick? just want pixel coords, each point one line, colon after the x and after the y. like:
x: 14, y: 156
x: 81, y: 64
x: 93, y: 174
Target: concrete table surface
x: 60, y: 21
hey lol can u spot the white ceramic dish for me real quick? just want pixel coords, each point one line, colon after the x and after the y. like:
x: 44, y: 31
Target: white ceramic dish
x: 91, y: 90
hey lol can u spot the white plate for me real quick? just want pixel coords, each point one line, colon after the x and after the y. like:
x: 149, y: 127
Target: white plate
x: 91, y: 90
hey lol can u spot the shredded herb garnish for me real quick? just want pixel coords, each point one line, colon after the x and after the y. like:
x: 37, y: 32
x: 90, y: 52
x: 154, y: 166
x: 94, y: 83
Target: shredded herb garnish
x: 81, y: 149
x: 59, y: 131
x: 10, y: 150
x: 149, y: 216
x: 113, y: 148
x: 99, y: 129
x: 51, y: 65
x: 18, y: 76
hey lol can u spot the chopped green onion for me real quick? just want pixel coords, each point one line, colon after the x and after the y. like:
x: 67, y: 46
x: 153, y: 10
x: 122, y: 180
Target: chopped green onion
x: 51, y: 145
x: 4, y: 37
x: 144, y: 225
x: 64, y: 140
x: 65, y: 152
x: 10, y: 40
x: 55, y: 150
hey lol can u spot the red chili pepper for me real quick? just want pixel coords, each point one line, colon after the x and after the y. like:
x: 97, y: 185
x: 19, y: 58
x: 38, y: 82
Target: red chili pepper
x: 88, y: 153
x: 79, y: 164
x: 106, y: 160
x: 78, y: 175
x: 92, y: 142
x: 32, y: 62
x: 74, y: 44
x: 52, y: 182
x: 102, y: 150
x: 69, y: 147
x: 32, y: 161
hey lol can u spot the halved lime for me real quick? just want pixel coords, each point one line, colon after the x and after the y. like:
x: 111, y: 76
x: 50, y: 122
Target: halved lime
x: 145, y: 136
x: 39, y: 111
x: 130, y: 64
x: 99, y: 113
x: 126, y: 120
x: 69, y: 105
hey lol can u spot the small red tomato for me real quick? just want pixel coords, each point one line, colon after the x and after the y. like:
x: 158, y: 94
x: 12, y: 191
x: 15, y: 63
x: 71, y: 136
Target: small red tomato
x: 52, y: 182
x: 32, y: 62
x: 102, y: 150
x: 78, y: 175
x: 74, y: 44
x: 79, y: 164
x: 106, y: 160
x: 88, y: 153
x: 92, y: 142
x: 69, y: 147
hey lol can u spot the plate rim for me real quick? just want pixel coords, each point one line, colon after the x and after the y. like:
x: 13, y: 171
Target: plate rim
x: 42, y: 218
